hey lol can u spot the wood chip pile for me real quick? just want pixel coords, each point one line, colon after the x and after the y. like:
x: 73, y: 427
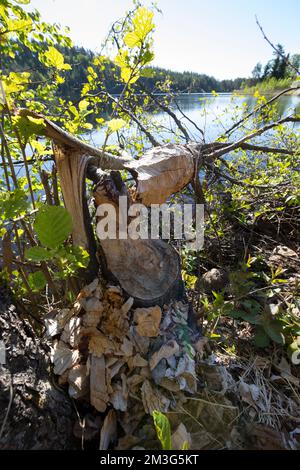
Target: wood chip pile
x: 133, y: 361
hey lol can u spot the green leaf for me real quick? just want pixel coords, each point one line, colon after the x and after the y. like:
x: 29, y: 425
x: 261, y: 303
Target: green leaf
x: 251, y: 318
x: 132, y: 40
x: 37, y: 281
x: 13, y: 204
x: 274, y: 330
x: 163, y: 429
x: 142, y: 22
x: 83, y: 105
x: 235, y: 313
x: 28, y: 126
x: 252, y: 306
x: 116, y: 124
x: 261, y: 339
x: 53, y: 225
x: 38, y: 253
x: 54, y: 58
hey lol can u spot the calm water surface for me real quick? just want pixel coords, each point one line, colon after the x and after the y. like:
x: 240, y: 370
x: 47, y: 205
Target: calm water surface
x: 212, y: 114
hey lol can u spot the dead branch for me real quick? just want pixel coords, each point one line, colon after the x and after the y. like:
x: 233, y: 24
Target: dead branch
x: 239, y: 144
x: 153, y: 141
x: 169, y: 112
x: 260, y: 108
x: 276, y: 49
x: 190, y: 120
x: 54, y: 132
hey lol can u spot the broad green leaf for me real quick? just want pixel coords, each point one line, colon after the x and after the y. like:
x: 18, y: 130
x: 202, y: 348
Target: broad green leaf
x: 116, y: 124
x: 38, y: 253
x: 143, y: 23
x: 132, y: 40
x: 252, y: 306
x: 147, y: 72
x: 163, y: 429
x: 54, y: 58
x: 251, y: 318
x: 235, y: 313
x: 122, y: 59
x: 261, y: 339
x: 37, y: 281
x: 83, y: 105
x: 13, y: 204
x: 53, y: 225
x: 273, y: 328
x: 16, y: 26
x: 29, y: 126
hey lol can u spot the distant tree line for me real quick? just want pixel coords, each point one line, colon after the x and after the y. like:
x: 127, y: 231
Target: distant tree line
x: 278, y: 67
x: 81, y: 58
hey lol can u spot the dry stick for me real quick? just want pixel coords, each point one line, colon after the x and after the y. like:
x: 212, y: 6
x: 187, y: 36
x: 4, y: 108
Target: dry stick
x: 276, y: 49
x: 247, y: 146
x: 30, y: 160
x: 169, y: 112
x: 8, y: 155
x: 55, y: 186
x: 45, y: 182
x: 4, y: 164
x: 135, y: 119
x: 242, y: 183
x: 236, y: 145
x: 260, y: 108
x: 190, y: 120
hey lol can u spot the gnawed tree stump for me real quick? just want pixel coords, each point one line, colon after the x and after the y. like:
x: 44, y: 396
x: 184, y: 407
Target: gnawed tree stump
x: 147, y: 270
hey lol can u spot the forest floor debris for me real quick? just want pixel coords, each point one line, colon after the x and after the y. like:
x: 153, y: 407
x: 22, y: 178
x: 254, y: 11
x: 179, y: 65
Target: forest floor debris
x: 148, y: 359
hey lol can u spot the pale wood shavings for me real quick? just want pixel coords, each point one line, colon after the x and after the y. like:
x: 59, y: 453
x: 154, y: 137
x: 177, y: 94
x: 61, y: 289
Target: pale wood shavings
x: 126, y: 347
x: 137, y: 361
x: 148, y: 321
x: 63, y: 357
x: 141, y: 343
x: 166, y: 351
x: 98, y: 387
x: 93, y: 305
x: 72, y: 331
x: 78, y: 381
x: 109, y: 430
x: 127, y: 306
x: 100, y: 344
x: 181, y: 438
x: 88, y: 290
x: 55, y: 321
x: 153, y: 399
x: 114, y: 323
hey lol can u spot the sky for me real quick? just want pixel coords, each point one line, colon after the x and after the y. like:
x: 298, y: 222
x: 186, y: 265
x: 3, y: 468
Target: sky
x: 215, y: 37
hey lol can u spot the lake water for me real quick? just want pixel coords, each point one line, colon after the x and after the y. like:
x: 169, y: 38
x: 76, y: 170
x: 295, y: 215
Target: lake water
x: 212, y: 114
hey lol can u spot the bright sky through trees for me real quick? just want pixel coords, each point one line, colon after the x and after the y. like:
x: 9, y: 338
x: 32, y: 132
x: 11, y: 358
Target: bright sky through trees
x: 216, y: 37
